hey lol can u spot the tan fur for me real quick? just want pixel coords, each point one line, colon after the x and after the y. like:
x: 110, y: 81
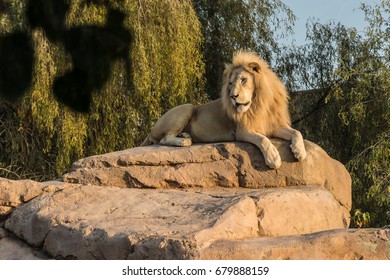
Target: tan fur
x: 270, y: 103
x: 253, y: 106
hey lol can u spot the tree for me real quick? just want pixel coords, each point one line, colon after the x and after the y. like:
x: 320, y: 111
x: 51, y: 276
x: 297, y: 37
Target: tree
x: 349, y: 112
x: 229, y: 25
x: 40, y: 137
x: 93, y: 49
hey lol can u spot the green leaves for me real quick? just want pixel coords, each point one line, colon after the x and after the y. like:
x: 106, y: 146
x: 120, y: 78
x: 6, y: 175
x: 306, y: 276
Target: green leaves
x: 230, y: 25
x: 162, y: 68
x: 93, y: 49
x: 351, y: 116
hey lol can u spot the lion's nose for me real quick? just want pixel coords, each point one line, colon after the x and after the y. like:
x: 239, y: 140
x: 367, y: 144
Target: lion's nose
x: 234, y: 95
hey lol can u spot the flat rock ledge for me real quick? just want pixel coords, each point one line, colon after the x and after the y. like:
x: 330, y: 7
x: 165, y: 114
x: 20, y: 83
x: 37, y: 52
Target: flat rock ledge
x: 214, y: 201
x: 230, y: 165
x: 337, y: 244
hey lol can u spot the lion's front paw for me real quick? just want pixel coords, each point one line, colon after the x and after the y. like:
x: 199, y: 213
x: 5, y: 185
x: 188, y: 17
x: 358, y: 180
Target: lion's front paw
x: 298, y: 148
x: 272, y: 157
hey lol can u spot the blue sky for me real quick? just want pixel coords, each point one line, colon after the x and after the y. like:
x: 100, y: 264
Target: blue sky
x: 345, y: 11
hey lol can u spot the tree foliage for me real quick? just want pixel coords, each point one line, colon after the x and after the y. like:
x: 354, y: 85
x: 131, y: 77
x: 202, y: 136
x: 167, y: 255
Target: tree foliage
x: 229, y: 25
x: 349, y: 112
x: 40, y: 138
x: 92, y: 48
x: 178, y: 49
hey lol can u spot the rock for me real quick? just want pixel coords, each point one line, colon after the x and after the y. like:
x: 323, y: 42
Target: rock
x: 338, y: 244
x: 3, y: 233
x: 13, y: 193
x: 5, y: 211
x: 213, y: 165
x: 14, y: 249
x: 204, y: 201
x: 80, y: 222
x: 94, y: 222
x: 299, y: 210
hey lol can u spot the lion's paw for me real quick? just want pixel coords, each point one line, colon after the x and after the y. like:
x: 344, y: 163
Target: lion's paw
x: 298, y: 149
x: 185, y: 142
x: 272, y: 158
x: 185, y: 139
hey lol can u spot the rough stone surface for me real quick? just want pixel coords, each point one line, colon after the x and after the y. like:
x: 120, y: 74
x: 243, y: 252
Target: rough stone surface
x: 212, y: 201
x: 221, y: 164
x: 299, y: 210
x: 338, y: 244
x: 14, y: 249
x: 14, y: 193
x: 88, y: 222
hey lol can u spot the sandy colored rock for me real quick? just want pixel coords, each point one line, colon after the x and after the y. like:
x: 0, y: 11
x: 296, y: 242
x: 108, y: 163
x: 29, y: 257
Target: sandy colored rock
x: 12, y: 192
x: 213, y: 165
x: 94, y: 222
x: 15, y: 192
x: 80, y: 222
x: 217, y: 201
x: 338, y: 244
x: 299, y: 210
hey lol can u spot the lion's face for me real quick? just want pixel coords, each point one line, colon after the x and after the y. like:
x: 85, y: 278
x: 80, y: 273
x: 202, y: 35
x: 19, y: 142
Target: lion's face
x: 241, y: 87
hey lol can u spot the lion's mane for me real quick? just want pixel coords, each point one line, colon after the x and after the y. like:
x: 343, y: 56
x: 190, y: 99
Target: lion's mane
x: 269, y: 108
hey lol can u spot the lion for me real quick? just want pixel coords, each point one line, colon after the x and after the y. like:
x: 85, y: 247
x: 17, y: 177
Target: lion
x: 253, y: 107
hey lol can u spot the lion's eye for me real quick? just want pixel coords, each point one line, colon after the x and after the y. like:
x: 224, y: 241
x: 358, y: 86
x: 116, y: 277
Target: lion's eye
x: 230, y: 85
x: 243, y: 80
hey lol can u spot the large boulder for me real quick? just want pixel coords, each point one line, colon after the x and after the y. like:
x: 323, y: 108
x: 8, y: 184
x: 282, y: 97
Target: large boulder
x: 14, y: 193
x: 209, y: 201
x: 87, y: 222
x: 337, y: 244
x: 235, y: 164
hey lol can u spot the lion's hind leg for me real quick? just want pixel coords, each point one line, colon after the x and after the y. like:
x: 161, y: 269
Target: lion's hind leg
x: 169, y: 129
x: 182, y: 140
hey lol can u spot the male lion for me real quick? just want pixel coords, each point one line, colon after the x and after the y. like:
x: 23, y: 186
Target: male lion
x: 252, y: 107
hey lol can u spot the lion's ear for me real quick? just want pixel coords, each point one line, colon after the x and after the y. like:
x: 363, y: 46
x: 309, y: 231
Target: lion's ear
x: 255, y: 67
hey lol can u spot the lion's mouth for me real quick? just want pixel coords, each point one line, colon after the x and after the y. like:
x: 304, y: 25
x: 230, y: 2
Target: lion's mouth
x: 240, y: 107
x: 242, y: 104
